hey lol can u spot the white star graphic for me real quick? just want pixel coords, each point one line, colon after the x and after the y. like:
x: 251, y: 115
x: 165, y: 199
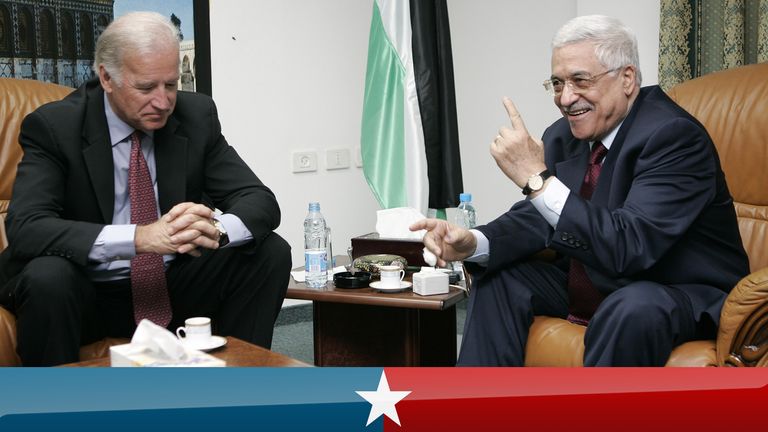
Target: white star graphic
x: 383, y: 401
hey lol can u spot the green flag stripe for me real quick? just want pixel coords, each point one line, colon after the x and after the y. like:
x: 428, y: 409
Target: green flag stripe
x: 383, y: 134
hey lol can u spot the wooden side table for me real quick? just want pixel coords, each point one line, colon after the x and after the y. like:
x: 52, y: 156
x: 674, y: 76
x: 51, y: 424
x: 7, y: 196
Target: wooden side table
x: 237, y: 353
x: 364, y: 327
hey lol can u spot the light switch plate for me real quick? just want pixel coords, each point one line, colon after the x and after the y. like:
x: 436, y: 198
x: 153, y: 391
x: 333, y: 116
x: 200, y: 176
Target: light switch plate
x: 337, y: 158
x: 358, y: 157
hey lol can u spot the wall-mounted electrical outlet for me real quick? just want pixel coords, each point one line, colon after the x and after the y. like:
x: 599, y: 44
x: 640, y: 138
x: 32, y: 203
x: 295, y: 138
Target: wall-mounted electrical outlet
x: 304, y: 161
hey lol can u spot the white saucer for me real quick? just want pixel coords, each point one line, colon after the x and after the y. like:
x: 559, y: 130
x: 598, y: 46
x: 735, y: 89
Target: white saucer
x: 211, y: 344
x: 403, y: 285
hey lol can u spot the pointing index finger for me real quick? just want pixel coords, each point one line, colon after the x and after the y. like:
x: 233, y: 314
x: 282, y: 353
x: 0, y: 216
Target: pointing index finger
x: 514, y: 115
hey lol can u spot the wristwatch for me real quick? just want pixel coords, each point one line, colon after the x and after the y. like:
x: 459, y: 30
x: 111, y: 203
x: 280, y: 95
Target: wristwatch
x: 536, y: 182
x: 223, y: 236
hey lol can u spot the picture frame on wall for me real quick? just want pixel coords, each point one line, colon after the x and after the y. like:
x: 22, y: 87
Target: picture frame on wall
x: 203, y: 46
x: 54, y: 41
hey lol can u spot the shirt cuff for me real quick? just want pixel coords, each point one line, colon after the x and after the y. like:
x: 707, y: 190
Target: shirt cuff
x: 114, y: 243
x: 550, y: 201
x: 236, y: 231
x: 482, y: 249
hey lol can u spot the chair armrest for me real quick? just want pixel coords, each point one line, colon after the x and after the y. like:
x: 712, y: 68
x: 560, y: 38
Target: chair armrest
x: 742, y: 339
x: 699, y: 353
x: 554, y: 342
x: 8, y: 356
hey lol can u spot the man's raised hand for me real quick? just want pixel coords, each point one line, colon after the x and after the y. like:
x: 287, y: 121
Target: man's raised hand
x: 517, y: 153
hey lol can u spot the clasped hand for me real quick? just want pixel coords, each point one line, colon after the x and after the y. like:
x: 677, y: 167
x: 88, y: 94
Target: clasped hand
x: 185, y: 228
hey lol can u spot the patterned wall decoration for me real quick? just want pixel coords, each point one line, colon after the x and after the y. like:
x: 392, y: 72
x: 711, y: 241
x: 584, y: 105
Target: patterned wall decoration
x: 702, y: 36
x: 51, y: 40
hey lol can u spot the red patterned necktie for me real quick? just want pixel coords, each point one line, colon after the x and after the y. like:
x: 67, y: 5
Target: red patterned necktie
x: 583, y: 297
x: 150, y: 293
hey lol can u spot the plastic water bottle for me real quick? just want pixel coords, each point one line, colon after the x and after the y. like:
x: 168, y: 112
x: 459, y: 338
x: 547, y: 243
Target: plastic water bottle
x: 466, y: 216
x: 315, y: 252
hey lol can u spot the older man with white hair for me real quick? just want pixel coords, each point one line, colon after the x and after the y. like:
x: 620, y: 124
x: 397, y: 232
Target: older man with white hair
x: 627, y: 188
x: 112, y: 218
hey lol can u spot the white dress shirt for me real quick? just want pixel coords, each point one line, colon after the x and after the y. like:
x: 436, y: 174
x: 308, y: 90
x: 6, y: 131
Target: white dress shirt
x: 549, y: 203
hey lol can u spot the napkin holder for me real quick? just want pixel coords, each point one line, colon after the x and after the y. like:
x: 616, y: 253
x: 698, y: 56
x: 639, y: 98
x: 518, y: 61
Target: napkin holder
x: 371, y: 244
x: 133, y: 355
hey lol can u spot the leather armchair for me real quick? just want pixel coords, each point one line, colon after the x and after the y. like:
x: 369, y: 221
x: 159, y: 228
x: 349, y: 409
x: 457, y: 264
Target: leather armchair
x: 733, y: 106
x: 17, y: 99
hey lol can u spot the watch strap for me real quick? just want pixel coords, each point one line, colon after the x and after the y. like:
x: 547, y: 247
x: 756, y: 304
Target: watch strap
x: 223, y: 235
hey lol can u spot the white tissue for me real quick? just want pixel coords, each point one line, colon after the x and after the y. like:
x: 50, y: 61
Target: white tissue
x: 394, y: 223
x: 301, y: 276
x: 157, y: 340
x: 429, y: 257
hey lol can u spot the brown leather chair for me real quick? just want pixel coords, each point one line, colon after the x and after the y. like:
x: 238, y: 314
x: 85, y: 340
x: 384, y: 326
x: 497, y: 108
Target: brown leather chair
x: 733, y: 106
x: 17, y: 99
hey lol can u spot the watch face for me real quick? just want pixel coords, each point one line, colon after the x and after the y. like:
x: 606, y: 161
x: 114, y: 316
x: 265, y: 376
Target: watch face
x: 536, y: 182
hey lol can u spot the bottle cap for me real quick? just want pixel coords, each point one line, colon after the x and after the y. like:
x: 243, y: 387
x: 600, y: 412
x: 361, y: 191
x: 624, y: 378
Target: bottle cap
x: 465, y: 197
x: 314, y: 206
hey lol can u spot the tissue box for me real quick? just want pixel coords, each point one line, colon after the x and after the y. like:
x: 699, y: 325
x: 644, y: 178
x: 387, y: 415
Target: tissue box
x: 131, y: 355
x: 430, y: 283
x: 371, y: 243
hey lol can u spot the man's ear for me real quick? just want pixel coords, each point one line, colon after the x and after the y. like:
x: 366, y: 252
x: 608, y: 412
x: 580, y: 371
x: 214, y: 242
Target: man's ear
x: 628, y: 79
x: 106, y: 80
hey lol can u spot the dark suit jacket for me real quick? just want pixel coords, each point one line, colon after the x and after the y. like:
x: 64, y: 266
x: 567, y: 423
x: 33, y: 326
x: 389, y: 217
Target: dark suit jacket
x: 64, y: 190
x: 661, y: 210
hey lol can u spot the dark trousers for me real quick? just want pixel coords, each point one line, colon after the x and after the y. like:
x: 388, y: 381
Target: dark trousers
x: 58, y: 308
x: 637, y: 325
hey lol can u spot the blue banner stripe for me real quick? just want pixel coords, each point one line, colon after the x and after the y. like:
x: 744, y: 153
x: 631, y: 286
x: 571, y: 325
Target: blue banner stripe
x: 304, y: 417
x: 61, y: 390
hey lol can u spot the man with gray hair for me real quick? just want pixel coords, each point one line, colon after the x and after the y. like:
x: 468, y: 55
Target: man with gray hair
x: 627, y: 189
x: 112, y: 218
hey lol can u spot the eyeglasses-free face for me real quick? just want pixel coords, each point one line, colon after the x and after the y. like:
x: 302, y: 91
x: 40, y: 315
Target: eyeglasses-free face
x: 579, y: 84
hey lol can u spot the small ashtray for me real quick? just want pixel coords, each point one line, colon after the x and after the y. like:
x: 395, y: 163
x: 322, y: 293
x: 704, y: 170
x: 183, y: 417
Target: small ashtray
x: 360, y: 279
x: 454, y: 276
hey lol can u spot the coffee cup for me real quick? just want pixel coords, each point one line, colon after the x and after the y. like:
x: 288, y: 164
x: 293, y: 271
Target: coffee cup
x: 196, y: 330
x: 391, y: 276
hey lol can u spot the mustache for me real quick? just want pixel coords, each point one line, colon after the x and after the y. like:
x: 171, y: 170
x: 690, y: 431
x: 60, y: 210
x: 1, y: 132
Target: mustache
x: 576, y: 108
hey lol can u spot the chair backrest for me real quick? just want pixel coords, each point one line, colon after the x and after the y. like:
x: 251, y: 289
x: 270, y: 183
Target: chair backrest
x: 733, y: 106
x: 17, y: 99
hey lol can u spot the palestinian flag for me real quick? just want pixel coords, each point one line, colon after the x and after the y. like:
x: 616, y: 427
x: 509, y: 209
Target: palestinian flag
x: 409, y: 142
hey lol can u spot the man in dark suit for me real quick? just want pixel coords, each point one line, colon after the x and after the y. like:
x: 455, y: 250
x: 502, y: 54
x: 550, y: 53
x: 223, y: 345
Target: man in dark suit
x: 627, y: 189
x: 72, y: 232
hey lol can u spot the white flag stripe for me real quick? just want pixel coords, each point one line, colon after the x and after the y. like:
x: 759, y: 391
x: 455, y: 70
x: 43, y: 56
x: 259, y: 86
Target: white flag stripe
x: 395, y: 18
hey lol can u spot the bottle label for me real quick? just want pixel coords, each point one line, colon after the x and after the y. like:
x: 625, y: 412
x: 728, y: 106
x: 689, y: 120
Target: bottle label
x: 315, y: 261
